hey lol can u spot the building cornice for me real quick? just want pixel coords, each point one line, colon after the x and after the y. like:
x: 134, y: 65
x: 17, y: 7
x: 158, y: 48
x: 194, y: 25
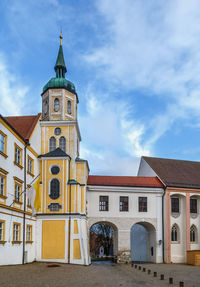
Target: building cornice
x: 101, y: 188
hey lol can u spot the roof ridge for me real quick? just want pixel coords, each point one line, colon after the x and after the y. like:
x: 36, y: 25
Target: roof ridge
x: 172, y: 159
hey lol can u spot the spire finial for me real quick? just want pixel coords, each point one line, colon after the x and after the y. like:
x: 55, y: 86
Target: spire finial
x: 61, y: 37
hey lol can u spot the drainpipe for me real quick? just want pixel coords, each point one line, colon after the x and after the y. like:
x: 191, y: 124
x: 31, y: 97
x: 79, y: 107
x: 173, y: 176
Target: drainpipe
x: 69, y: 230
x: 163, y: 241
x: 24, y: 216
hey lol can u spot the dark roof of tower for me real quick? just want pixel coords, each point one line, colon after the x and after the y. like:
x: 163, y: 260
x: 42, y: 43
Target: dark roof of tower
x: 176, y: 173
x: 59, y: 81
x: 55, y: 153
x: 60, y: 62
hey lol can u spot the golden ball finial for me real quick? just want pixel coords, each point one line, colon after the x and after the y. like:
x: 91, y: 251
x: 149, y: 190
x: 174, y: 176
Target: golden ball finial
x: 61, y: 37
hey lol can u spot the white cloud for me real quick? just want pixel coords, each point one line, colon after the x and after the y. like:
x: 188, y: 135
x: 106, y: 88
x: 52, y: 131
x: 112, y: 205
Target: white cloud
x: 12, y: 93
x: 153, y: 45
x: 112, y: 139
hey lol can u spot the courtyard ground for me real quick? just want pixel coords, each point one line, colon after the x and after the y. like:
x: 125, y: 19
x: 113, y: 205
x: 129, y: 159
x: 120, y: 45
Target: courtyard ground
x: 97, y: 274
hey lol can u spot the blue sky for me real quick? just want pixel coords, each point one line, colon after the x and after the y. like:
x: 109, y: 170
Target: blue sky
x: 135, y: 65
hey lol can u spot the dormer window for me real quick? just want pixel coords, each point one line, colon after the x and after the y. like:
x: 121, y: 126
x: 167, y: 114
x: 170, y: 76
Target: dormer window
x: 56, y: 105
x: 69, y: 107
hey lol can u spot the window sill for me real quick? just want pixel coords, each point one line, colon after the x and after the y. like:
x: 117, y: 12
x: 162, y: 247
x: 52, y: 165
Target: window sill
x: 3, y: 242
x: 18, y: 202
x: 142, y: 211
x: 175, y: 242
x: 17, y: 164
x: 193, y: 215
x: 175, y: 214
x: 30, y: 173
x: 29, y: 242
x: 16, y: 242
x: 3, y: 154
x: 3, y: 196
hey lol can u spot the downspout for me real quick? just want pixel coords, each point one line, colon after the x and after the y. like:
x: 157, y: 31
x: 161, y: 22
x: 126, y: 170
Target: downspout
x: 69, y: 227
x: 24, y: 216
x: 163, y: 241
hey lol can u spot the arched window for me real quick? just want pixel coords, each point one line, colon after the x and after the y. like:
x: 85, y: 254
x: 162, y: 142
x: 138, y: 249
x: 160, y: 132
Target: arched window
x: 69, y: 107
x: 62, y: 144
x: 175, y: 233
x: 54, y: 188
x: 52, y: 144
x: 56, y: 105
x: 193, y: 234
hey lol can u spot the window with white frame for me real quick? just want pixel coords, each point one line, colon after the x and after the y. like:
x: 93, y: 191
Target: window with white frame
x: 52, y: 143
x: 17, y: 155
x: 30, y: 165
x: 1, y: 231
x: 69, y: 107
x: 193, y: 205
x: 54, y: 188
x: 2, y: 185
x: 56, y: 105
x: 2, y: 143
x: 16, y: 232
x: 103, y: 203
x: 174, y: 233
x: 62, y: 143
x: 175, y: 205
x: 193, y: 234
x: 17, y: 192
x: 29, y: 233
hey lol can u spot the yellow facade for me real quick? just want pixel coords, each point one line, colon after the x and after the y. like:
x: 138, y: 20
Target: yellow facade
x: 53, y: 239
x: 63, y: 191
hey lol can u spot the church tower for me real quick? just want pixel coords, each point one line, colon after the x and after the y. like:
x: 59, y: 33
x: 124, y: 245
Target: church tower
x: 61, y: 221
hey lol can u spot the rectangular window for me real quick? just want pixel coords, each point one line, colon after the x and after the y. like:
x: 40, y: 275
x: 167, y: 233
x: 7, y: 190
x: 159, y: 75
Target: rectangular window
x: 175, y: 205
x: 2, y: 185
x: 103, y: 203
x: 16, y: 232
x: 29, y: 233
x: 193, y: 205
x: 2, y: 230
x: 17, y: 192
x: 30, y: 166
x: 17, y: 155
x: 142, y: 204
x: 2, y: 143
x: 123, y: 204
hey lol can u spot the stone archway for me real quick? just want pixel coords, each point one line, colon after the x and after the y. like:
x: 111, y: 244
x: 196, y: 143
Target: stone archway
x: 143, y: 242
x: 103, y: 240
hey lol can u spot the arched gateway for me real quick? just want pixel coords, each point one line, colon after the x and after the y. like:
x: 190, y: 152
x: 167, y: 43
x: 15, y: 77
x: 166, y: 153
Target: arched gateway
x: 143, y: 242
x: 103, y: 240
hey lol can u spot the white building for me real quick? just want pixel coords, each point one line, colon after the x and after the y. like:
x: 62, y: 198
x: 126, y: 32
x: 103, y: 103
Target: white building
x: 16, y: 157
x: 124, y: 202
x: 181, y: 204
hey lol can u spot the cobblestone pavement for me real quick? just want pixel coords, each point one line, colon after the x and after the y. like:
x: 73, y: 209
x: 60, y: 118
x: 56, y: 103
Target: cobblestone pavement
x: 104, y: 274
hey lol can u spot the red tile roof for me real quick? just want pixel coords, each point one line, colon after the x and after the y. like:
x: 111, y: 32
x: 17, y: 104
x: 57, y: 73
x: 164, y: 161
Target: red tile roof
x: 136, y: 181
x: 24, y: 125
